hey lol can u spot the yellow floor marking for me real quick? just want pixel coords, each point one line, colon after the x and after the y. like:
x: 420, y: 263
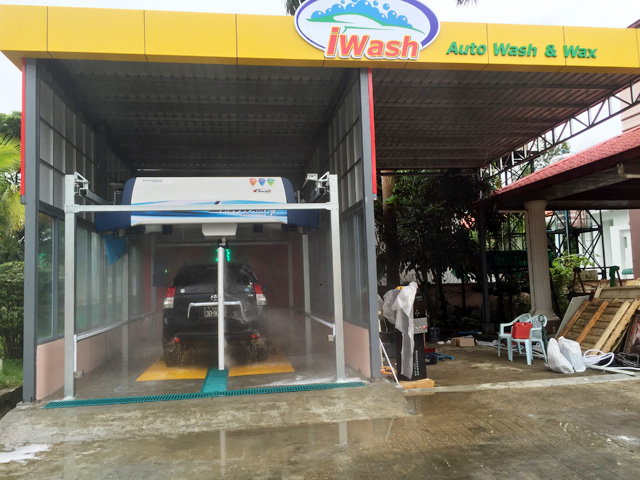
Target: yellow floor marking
x: 159, y: 371
x: 277, y: 363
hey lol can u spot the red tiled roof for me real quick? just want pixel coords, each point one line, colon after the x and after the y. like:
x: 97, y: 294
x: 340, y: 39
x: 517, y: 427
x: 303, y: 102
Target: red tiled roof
x: 608, y: 148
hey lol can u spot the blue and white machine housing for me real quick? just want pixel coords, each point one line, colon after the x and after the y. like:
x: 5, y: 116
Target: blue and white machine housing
x: 202, y: 192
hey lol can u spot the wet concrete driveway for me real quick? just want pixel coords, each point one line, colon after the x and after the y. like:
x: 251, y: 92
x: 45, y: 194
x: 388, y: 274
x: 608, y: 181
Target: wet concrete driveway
x: 579, y: 431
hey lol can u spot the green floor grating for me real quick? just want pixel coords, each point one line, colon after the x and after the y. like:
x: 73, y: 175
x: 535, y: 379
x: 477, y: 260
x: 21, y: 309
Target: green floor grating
x: 216, y: 380
x: 186, y: 396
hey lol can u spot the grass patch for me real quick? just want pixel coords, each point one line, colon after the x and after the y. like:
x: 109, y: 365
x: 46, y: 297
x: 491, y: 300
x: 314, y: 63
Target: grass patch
x: 11, y: 374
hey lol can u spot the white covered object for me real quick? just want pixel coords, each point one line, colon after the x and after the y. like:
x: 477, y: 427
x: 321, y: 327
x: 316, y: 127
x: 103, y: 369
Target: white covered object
x: 571, y: 350
x: 557, y: 361
x: 398, y: 309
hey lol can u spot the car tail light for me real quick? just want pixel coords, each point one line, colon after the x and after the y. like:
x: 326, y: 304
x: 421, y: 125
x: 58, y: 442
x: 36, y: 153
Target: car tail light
x: 168, y: 301
x: 260, y: 298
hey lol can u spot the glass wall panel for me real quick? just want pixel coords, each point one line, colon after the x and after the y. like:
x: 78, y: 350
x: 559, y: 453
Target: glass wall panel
x: 97, y: 280
x: 82, y: 279
x: 60, y: 278
x: 345, y: 147
x: 45, y: 277
x: 110, y: 297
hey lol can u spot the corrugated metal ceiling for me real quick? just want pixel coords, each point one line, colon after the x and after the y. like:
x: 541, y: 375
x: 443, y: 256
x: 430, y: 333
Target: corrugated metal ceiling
x: 465, y: 119
x: 223, y: 120
x: 183, y: 119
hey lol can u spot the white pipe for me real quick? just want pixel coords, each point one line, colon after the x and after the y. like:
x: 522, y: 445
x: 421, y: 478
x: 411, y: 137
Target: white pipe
x: 221, y: 253
x: 389, y: 362
x: 611, y: 370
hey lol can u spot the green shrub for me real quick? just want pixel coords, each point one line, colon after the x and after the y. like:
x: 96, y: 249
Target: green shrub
x: 11, y: 374
x: 562, y: 275
x: 11, y: 307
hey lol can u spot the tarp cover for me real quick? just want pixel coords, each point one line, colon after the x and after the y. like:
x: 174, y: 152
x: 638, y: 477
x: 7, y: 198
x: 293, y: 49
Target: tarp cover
x: 398, y: 309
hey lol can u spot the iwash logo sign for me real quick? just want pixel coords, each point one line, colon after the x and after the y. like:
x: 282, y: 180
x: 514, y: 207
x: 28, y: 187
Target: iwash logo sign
x: 375, y: 29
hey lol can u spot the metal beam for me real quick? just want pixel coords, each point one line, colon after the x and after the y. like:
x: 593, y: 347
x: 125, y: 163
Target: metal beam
x: 368, y: 173
x: 336, y: 264
x: 599, y: 112
x: 221, y: 305
x: 31, y: 203
x: 258, y: 207
x: 467, y: 86
x: 69, y: 287
x: 478, y: 105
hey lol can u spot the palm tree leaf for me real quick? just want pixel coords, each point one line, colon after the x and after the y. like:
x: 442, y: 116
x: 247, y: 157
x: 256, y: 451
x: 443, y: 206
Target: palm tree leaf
x: 12, y: 210
x: 9, y: 154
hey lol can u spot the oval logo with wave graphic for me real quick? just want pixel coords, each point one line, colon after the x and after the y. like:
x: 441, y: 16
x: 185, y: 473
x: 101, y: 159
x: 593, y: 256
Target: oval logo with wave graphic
x: 375, y: 29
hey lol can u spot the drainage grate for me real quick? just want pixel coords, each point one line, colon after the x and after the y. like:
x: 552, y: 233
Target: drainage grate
x: 187, y: 396
x: 216, y: 380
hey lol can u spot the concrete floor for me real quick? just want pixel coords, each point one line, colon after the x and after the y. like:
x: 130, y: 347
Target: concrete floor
x: 583, y: 431
x: 486, y: 418
x: 481, y: 364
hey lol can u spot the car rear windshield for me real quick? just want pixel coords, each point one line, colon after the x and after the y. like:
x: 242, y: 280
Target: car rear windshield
x: 200, y: 275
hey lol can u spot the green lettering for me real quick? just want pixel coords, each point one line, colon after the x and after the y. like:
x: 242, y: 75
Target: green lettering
x: 482, y: 49
x: 582, y: 53
x: 532, y: 51
x: 571, y: 51
x: 473, y: 48
x: 513, y: 51
x: 592, y: 53
x: 522, y: 51
x: 453, y: 48
x: 500, y: 50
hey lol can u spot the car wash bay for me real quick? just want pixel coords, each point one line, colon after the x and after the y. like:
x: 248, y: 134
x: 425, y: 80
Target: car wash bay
x: 198, y: 120
x: 167, y: 120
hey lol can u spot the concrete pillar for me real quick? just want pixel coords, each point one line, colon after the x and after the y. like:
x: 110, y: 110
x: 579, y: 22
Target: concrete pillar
x: 539, y: 278
x: 634, y: 227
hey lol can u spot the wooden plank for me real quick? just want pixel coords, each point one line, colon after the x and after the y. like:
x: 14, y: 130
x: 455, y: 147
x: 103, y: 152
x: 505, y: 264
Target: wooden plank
x: 574, y: 319
x: 626, y: 293
x: 612, y: 325
x: 598, y: 291
x: 592, y: 322
x: 622, y: 324
x: 424, y: 383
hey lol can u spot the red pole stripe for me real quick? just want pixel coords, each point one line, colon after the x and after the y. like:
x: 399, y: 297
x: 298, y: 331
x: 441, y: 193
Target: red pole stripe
x: 372, y: 127
x: 22, y: 125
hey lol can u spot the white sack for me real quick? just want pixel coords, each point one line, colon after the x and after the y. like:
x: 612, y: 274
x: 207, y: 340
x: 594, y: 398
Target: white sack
x: 557, y: 362
x: 571, y: 350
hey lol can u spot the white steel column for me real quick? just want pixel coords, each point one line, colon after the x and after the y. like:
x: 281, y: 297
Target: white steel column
x: 221, y: 258
x: 69, y: 287
x: 538, y: 259
x: 337, y: 277
x: 307, y: 291
x: 125, y: 305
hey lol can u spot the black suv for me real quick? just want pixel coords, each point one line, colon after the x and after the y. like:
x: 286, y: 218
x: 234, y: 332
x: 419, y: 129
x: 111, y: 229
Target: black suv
x: 190, y: 315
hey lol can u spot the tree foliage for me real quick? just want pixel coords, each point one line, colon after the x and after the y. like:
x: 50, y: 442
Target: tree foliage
x: 11, y: 209
x: 10, y: 124
x: 292, y: 5
x: 436, y: 224
x: 561, y: 272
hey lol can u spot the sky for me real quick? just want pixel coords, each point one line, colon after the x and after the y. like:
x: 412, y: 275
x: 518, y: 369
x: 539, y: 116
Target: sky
x: 583, y: 13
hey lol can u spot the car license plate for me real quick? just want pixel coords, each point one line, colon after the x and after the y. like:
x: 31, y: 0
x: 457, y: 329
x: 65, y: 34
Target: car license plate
x: 210, y: 312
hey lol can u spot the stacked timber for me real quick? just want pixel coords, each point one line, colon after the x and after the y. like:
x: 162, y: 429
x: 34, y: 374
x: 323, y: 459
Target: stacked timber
x: 602, y: 322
